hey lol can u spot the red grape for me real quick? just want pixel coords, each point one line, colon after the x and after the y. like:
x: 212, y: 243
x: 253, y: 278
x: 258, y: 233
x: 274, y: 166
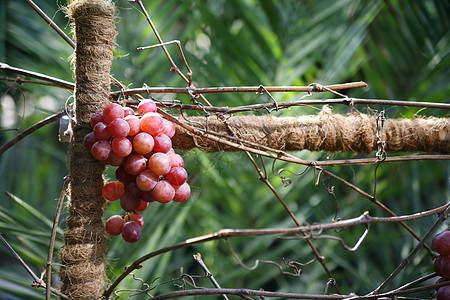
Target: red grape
x: 136, y: 217
x: 112, y: 111
x: 143, y: 143
x: 163, y: 192
x: 143, y: 206
x: 128, y: 111
x: 101, y: 149
x: 441, y: 243
x: 121, y: 146
x: 101, y: 131
x: 123, y: 176
x: 132, y: 189
x: 159, y: 163
x: 176, y: 160
x: 119, y: 128
x: 182, y: 192
x: 151, y: 123
x: 114, y: 225
x: 146, y: 106
x: 443, y: 293
x: 437, y: 265
x: 135, y: 124
x: 163, y: 143
x: 113, y: 159
x: 177, y: 176
x: 131, y: 232
x: 146, y: 180
x: 89, y: 140
x: 95, y: 118
x: 113, y: 190
x: 135, y: 164
x: 147, y: 196
x: 129, y: 203
x: 168, y: 128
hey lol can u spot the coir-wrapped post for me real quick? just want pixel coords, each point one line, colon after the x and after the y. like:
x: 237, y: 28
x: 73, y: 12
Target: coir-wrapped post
x: 83, y: 259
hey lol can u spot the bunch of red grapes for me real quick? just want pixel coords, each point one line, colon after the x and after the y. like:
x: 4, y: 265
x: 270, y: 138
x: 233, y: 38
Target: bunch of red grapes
x: 148, y: 169
x: 441, y: 244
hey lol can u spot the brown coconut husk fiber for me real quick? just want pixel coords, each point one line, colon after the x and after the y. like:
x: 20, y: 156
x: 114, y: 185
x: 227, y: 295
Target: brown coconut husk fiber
x: 355, y: 132
x: 82, y: 256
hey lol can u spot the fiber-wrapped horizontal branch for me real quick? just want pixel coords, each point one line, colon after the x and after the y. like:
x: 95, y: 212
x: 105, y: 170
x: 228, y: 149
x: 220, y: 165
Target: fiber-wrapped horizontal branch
x: 325, y: 131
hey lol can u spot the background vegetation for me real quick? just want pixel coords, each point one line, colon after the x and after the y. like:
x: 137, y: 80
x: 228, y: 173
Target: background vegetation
x: 400, y: 48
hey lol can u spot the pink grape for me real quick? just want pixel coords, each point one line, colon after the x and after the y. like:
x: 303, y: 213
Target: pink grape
x: 135, y: 124
x: 101, y: 131
x: 163, y: 143
x: 135, y: 164
x: 95, y: 118
x: 128, y: 111
x: 113, y: 190
x: 171, y: 151
x: 112, y: 111
x: 131, y: 232
x: 147, y: 196
x: 182, y: 192
x: 119, y: 128
x: 168, y: 128
x: 163, y: 192
x: 176, y: 160
x: 121, y: 146
x: 441, y: 243
x: 143, y: 143
x: 159, y: 163
x: 129, y: 203
x: 101, y: 149
x: 136, y: 217
x: 123, y: 176
x: 146, y: 106
x: 89, y: 140
x: 177, y: 176
x: 114, y: 159
x: 114, y: 225
x: 151, y: 123
x: 146, y: 180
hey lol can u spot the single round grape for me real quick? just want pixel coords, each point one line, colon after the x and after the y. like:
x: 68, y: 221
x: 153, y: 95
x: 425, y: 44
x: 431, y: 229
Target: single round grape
x: 135, y: 164
x: 182, y: 192
x: 113, y: 190
x: 442, y: 266
x: 441, y: 243
x: 146, y: 106
x: 147, y: 196
x: 129, y: 203
x: 101, y: 131
x: 119, y: 128
x: 95, y: 118
x: 123, y: 176
x: 443, y: 293
x: 177, y: 176
x: 159, y: 163
x: 114, y: 225
x: 128, y: 111
x: 131, y: 232
x: 143, y: 206
x: 112, y: 111
x: 143, y: 143
x: 171, y: 151
x: 89, y: 140
x: 121, y: 146
x: 132, y: 189
x: 151, y: 123
x: 163, y: 143
x: 136, y: 217
x: 176, y: 160
x: 101, y: 149
x: 163, y: 192
x: 168, y: 128
x: 135, y: 124
x: 114, y: 159
x: 147, y: 180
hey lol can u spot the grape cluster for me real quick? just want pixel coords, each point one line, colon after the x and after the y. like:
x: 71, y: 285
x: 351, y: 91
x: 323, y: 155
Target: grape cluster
x: 148, y: 169
x: 441, y: 244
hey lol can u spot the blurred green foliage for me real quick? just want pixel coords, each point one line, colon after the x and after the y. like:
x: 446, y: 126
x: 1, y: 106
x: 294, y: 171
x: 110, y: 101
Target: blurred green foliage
x: 400, y: 48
